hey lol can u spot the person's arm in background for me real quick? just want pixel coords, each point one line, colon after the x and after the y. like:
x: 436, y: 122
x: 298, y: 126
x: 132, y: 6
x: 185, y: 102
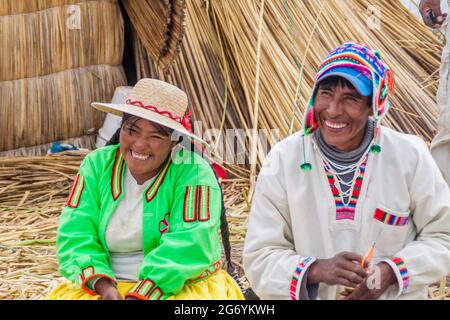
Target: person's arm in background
x: 434, y: 6
x: 440, y: 146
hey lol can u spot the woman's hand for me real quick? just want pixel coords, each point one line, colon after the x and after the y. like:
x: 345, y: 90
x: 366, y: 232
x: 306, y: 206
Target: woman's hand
x: 106, y: 289
x: 387, y: 278
x: 343, y: 269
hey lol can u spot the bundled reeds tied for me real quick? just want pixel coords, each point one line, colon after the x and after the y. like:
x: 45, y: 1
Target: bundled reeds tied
x: 160, y: 25
x: 43, y: 109
x: 56, y: 57
x: 233, y: 84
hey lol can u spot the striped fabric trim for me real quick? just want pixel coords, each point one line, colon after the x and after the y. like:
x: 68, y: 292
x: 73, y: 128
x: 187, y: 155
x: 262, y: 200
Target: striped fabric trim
x: 146, y: 290
x: 154, y: 187
x: 156, y: 294
x: 75, y: 194
x: 87, y: 274
x: 346, y: 212
x: 117, y: 175
x: 190, y: 200
x: 298, y: 275
x: 196, y: 204
x: 85, y: 287
x: 390, y: 218
x: 203, y: 208
x: 403, y: 272
x: 164, y: 224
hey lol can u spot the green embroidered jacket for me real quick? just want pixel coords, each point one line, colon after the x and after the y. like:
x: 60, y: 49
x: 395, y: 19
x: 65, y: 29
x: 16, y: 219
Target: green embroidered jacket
x: 181, y: 221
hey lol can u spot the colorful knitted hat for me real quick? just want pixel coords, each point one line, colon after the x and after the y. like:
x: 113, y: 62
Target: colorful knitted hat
x: 363, y: 60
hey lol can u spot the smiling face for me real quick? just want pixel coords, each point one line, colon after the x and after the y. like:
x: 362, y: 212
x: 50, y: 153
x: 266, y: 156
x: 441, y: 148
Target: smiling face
x: 341, y: 113
x: 145, y: 147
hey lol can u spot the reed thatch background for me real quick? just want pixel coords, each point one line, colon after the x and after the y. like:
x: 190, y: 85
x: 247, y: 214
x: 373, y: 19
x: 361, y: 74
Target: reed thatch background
x: 160, y: 25
x: 251, y: 64
x: 54, y: 61
x: 244, y: 64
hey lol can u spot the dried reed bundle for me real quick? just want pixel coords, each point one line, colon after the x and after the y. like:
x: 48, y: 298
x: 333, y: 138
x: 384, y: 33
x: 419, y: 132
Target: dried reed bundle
x: 43, y: 42
x: 160, y: 25
x: 217, y: 66
x: 177, y: 31
x: 197, y: 71
x: 33, y: 191
x: 9, y: 7
x: 318, y: 27
x: 440, y: 291
x: 41, y: 110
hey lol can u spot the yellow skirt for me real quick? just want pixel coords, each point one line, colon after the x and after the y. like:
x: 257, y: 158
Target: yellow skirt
x: 219, y: 286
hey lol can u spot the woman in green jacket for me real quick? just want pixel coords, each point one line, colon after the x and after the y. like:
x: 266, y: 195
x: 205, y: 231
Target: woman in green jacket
x: 142, y: 220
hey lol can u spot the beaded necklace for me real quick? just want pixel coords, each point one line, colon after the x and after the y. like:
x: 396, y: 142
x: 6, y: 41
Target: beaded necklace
x: 345, y: 201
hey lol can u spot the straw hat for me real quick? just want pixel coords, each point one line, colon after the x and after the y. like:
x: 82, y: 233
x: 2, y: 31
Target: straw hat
x: 157, y: 101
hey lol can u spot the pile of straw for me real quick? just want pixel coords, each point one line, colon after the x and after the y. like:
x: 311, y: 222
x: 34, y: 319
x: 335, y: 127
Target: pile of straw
x: 55, y: 59
x: 160, y: 25
x: 40, y: 110
x: 32, y: 193
x: 251, y: 64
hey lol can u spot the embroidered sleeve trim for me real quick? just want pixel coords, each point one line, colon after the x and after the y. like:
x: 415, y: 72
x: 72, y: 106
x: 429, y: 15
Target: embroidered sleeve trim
x: 203, y: 207
x: 189, y: 213
x: 196, y: 204
x: 146, y: 290
x: 88, y: 274
x: 403, y: 271
x: 212, y: 269
x: 390, y: 218
x: 117, y: 175
x: 298, y: 276
x: 75, y: 194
